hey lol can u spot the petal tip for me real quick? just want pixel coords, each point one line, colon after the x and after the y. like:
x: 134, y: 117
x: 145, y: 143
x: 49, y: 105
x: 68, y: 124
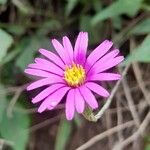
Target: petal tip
x: 107, y: 94
x: 40, y: 110
x: 65, y: 37
x: 69, y: 117
x: 123, y: 57
x: 119, y: 76
x: 54, y: 40
x: 41, y: 50
x: 30, y: 65
x: 26, y: 71
x: 33, y: 101
x: 80, y: 111
x: 28, y: 88
x: 108, y: 42
x: 36, y: 60
x: 95, y: 107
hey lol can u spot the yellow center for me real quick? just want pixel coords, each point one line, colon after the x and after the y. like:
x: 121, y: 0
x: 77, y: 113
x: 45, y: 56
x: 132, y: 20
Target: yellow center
x: 74, y: 75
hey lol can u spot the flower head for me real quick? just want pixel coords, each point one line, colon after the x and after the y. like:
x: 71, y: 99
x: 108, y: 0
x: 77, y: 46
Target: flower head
x: 71, y: 73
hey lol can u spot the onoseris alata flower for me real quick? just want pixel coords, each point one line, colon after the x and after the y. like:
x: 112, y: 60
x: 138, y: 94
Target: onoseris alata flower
x: 70, y: 72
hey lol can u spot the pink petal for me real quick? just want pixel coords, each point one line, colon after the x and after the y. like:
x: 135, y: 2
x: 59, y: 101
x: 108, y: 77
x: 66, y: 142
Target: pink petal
x: 43, y: 64
x: 61, y: 52
x: 47, y: 92
x: 45, y: 81
x: 68, y: 47
x: 53, y: 57
x: 38, y: 73
x: 98, y: 53
x: 97, y: 89
x: 108, y: 56
x: 88, y: 97
x: 109, y: 64
x: 52, y: 101
x: 70, y: 107
x: 103, y: 60
x: 79, y: 101
x: 104, y: 77
x: 81, y: 47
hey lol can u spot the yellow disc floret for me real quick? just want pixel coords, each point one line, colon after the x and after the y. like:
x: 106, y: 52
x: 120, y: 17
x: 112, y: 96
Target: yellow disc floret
x: 74, y: 75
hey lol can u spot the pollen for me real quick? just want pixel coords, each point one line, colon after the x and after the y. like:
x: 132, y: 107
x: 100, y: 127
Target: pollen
x: 74, y: 75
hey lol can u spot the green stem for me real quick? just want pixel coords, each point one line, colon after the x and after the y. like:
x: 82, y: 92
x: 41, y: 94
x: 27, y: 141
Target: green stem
x: 89, y: 115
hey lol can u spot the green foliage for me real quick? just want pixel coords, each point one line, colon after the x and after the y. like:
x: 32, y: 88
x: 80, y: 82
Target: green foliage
x: 97, y: 5
x: 118, y: 8
x: 6, y: 41
x: 70, y: 6
x: 29, y: 46
x: 10, y: 56
x: 147, y: 147
x: 48, y: 26
x: 16, y: 29
x: 14, y: 129
x: 77, y: 121
x: 23, y: 6
x: 141, y: 53
x: 141, y: 28
x: 86, y: 26
x: 3, y: 2
x: 147, y: 143
x: 117, y: 22
x: 2, y: 101
x: 63, y: 134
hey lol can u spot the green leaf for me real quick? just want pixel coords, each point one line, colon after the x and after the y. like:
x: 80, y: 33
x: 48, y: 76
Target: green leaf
x: 23, y: 6
x: 29, y: 46
x: 2, y: 101
x: 16, y: 29
x: 94, y: 33
x: 141, y: 28
x: 70, y: 6
x: 97, y: 5
x: 49, y: 26
x: 3, y: 2
x: 6, y: 41
x: 78, y: 121
x: 129, y: 7
x: 117, y: 22
x: 141, y: 53
x: 63, y: 135
x: 147, y: 143
x: 147, y: 147
x: 15, y: 130
x: 10, y: 56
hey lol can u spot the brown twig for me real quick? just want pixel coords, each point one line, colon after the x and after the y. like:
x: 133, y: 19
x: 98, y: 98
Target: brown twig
x: 119, y: 117
x: 142, y: 105
x: 141, y: 84
x: 138, y: 75
x: 44, y: 123
x: 13, y: 102
x: 5, y: 142
x: 109, y: 100
x: 137, y: 133
x: 100, y: 136
x: 130, y: 102
x: 124, y: 34
x: 108, y: 126
x: 34, y: 110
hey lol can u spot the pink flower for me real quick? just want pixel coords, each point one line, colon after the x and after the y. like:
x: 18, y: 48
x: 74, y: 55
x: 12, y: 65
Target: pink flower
x: 73, y: 74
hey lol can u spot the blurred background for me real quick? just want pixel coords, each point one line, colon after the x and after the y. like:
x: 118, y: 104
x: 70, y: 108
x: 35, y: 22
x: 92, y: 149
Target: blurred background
x: 26, y: 26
